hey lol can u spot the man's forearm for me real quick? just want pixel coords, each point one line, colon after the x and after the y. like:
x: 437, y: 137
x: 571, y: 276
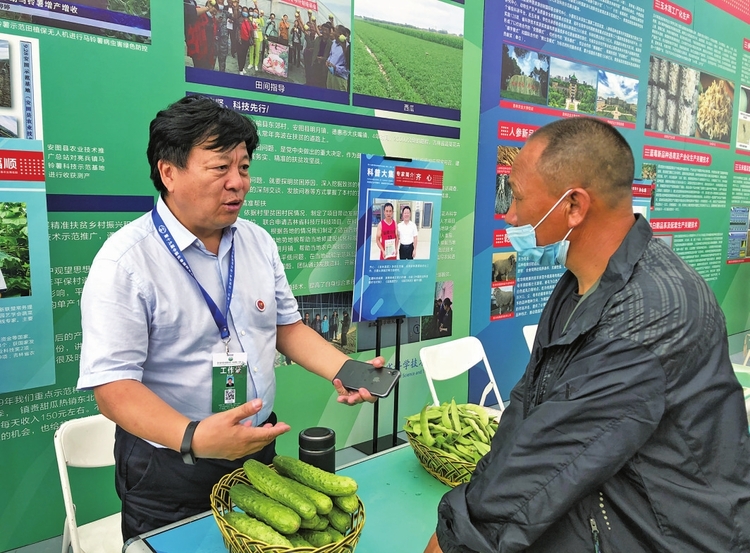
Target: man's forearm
x: 307, y: 348
x: 139, y: 411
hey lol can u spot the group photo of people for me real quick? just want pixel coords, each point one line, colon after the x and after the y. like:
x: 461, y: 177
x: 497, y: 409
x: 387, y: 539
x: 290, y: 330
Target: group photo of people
x: 401, y: 230
x: 440, y: 323
x: 270, y: 39
x: 330, y: 316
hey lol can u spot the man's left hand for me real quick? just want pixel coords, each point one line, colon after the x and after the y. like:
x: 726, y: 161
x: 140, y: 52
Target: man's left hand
x: 353, y: 398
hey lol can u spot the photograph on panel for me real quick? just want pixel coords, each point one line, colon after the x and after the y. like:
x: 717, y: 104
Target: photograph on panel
x: 408, y: 55
x: 525, y: 75
x: 440, y: 323
x: 20, y: 91
x: 572, y: 86
x: 503, y: 268
x: 503, y: 195
x: 743, y: 121
x: 128, y: 20
x: 330, y: 316
x: 648, y: 173
x: 617, y: 97
x: 299, y: 43
x: 15, y: 268
x: 401, y: 229
x: 688, y: 102
x: 5, y: 75
x: 739, y: 229
x: 502, y: 303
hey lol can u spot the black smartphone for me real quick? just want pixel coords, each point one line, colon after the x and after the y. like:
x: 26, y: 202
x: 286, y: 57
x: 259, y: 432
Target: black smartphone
x: 357, y: 374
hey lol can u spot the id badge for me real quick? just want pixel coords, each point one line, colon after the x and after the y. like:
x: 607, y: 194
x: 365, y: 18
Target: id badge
x: 229, y: 388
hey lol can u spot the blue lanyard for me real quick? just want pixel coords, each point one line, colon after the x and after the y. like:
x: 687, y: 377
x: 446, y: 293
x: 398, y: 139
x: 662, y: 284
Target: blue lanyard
x: 219, y: 318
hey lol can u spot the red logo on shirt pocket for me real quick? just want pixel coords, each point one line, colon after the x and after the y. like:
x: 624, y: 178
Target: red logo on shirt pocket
x: 260, y: 305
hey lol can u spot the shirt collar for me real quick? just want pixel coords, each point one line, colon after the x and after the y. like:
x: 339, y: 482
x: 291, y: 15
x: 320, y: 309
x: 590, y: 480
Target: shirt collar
x: 181, y: 235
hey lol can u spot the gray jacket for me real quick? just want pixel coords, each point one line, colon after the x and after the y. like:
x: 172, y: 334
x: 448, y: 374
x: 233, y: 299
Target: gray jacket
x: 627, y: 434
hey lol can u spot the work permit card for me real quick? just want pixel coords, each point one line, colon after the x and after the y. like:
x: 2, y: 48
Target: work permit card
x: 229, y: 381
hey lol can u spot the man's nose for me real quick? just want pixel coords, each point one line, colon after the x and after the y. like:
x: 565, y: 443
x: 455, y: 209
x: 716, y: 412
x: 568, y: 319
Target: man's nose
x: 237, y: 178
x: 511, y: 217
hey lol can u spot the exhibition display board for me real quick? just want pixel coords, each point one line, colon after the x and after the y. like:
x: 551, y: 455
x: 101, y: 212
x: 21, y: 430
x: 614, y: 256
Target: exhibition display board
x: 99, y: 73
x: 674, y: 78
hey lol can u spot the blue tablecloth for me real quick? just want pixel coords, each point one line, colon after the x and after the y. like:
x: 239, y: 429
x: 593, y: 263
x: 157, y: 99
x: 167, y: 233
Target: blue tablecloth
x: 399, y: 496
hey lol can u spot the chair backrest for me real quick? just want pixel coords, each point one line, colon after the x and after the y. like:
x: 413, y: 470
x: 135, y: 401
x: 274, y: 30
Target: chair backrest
x: 87, y: 442
x: 450, y: 359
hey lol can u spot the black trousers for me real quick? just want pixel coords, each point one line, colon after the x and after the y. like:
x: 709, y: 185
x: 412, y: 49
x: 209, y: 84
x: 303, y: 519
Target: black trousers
x: 406, y: 251
x: 157, y: 488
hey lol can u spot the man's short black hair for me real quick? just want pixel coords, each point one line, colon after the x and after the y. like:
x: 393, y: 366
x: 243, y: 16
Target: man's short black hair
x: 196, y: 121
x: 587, y: 152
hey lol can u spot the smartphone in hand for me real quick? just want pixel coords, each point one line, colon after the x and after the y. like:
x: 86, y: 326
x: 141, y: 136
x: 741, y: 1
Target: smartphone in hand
x: 357, y: 374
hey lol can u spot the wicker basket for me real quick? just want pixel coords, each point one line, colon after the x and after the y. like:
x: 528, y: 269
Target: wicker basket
x: 240, y: 543
x: 446, y: 468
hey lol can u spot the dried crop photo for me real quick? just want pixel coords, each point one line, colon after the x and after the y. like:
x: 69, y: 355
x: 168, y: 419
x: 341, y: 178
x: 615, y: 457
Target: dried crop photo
x: 714, y: 117
x: 672, y: 97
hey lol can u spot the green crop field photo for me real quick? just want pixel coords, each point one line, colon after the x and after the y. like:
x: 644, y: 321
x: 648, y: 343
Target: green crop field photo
x: 405, y: 63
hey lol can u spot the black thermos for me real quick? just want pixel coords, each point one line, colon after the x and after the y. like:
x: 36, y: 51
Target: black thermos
x: 317, y: 446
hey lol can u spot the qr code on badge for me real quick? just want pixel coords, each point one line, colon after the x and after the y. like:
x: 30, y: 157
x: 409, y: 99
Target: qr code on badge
x: 228, y: 396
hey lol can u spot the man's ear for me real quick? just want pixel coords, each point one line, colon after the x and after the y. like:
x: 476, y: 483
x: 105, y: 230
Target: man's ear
x: 579, y: 203
x: 167, y: 172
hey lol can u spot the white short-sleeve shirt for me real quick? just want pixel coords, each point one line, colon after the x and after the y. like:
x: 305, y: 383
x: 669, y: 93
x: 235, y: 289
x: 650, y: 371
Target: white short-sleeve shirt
x: 144, y: 318
x: 407, y: 232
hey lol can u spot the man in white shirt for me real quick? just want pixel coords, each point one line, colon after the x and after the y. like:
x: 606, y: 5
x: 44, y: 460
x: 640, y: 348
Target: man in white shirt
x: 407, y: 235
x: 178, y: 300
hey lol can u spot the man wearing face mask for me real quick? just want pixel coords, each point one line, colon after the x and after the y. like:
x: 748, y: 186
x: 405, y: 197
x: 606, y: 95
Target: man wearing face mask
x: 628, y: 431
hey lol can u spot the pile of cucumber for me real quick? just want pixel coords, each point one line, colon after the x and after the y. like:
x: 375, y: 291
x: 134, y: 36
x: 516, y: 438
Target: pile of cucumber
x: 298, y: 505
x: 463, y: 431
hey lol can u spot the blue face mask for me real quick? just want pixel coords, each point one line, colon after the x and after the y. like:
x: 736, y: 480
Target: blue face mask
x: 245, y: 14
x: 523, y: 240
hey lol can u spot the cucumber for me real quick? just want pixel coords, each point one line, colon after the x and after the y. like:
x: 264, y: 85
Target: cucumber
x: 255, y: 529
x: 315, y: 478
x: 340, y: 520
x: 335, y: 534
x: 298, y: 541
x: 315, y: 537
x: 316, y: 523
x: 322, y: 502
x: 279, y: 517
x: 266, y: 481
x: 347, y: 503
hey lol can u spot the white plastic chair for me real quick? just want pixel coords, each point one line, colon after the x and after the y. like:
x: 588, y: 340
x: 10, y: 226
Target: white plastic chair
x: 450, y: 359
x: 87, y: 442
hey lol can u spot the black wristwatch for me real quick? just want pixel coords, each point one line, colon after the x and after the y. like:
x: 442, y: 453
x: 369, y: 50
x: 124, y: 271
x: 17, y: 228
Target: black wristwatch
x: 186, y: 448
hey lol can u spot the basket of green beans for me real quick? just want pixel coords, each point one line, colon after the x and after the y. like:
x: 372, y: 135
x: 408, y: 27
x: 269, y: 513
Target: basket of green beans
x: 449, y: 439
